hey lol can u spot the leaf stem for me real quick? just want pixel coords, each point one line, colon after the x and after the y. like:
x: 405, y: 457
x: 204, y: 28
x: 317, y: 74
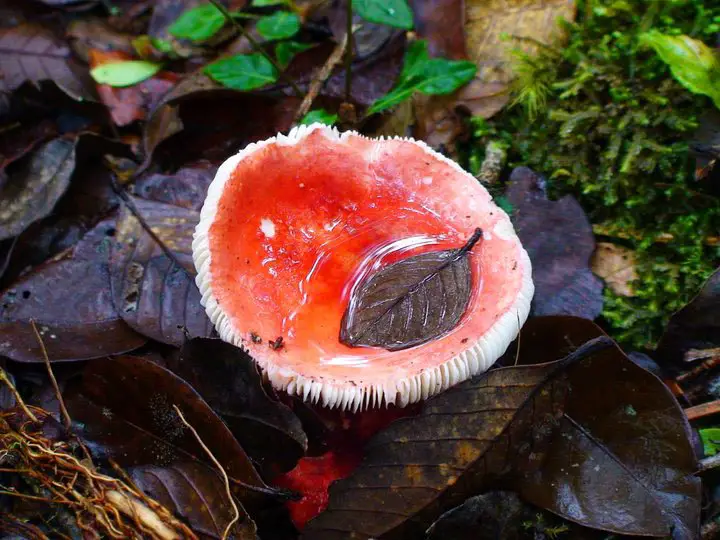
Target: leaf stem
x: 348, y: 51
x: 256, y: 45
x: 476, y: 236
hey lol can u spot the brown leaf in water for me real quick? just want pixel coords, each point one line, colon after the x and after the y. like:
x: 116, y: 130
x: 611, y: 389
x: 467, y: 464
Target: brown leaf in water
x: 411, y: 301
x: 69, y: 298
x: 229, y: 380
x: 526, y: 22
x: 29, y: 52
x: 124, y: 410
x: 559, y: 239
x: 194, y: 493
x: 616, y: 266
x: 152, y: 294
x: 32, y: 191
x: 547, y: 431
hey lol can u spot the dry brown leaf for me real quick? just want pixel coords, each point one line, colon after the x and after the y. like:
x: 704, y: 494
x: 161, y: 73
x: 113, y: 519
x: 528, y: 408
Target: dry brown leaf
x: 486, y: 22
x: 616, y: 265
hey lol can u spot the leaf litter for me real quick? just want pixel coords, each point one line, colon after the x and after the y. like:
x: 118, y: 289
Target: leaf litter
x: 101, y: 187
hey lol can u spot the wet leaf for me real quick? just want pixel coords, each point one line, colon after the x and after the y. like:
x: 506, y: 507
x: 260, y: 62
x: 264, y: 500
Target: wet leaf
x: 695, y: 327
x: 69, y: 298
x: 122, y: 74
x: 691, y: 62
x: 389, y: 12
x: 123, y: 408
x: 492, y: 515
x: 29, y: 52
x: 33, y: 191
x: 546, y: 431
x: 228, y: 379
x: 194, y: 493
x: 243, y: 71
x: 286, y: 50
x: 153, y: 295
x: 410, y: 302
x: 430, y: 76
x: 279, y: 25
x: 559, y: 239
x: 419, y: 467
x: 186, y: 187
x: 319, y: 115
x: 616, y: 266
x: 199, y: 23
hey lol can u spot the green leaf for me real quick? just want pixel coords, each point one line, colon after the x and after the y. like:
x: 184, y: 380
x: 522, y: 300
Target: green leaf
x: 711, y: 441
x: 279, y: 25
x: 266, y: 3
x: 389, y: 12
x: 434, y: 76
x: 242, y: 72
x: 416, y: 55
x: 286, y: 50
x: 318, y: 115
x: 691, y: 62
x: 198, y: 24
x: 126, y: 73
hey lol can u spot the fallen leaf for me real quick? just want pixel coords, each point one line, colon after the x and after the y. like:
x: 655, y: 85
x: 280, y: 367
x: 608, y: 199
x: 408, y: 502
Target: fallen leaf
x: 559, y: 239
x: 696, y: 327
x: 123, y: 409
x: 69, y: 298
x: 368, y: 38
x: 526, y: 22
x: 153, y: 295
x: 20, y: 141
x: 186, y: 187
x: 129, y: 104
x: 492, y: 515
x: 616, y: 266
x: 410, y: 302
x: 94, y: 33
x: 124, y: 73
x: 228, y: 379
x: 421, y: 466
x: 29, y: 52
x: 33, y: 190
x: 432, y: 21
x: 195, y: 494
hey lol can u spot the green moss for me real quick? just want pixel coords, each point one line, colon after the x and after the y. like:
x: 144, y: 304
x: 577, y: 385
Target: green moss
x: 602, y: 118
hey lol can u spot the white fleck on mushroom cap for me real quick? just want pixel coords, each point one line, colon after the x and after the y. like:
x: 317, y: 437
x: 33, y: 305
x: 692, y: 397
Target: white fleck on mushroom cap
x: 493, y: 318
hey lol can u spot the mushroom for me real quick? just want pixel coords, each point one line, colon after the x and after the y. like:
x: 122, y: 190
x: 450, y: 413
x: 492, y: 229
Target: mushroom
x: 292, y: 223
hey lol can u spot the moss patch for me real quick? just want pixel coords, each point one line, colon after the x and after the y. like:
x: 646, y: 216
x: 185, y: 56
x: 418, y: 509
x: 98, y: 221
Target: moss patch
x: 602, y: 118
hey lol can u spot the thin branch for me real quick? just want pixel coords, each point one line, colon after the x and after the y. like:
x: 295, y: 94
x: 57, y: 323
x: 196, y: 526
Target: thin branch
x: 705, y: 409
x: 63, y: 410
x: 130, y: 205
x: 4, y: 377
x: 348, y: 51
x: 256, y: 45
x: 322, y: 76
x: 236, y: 517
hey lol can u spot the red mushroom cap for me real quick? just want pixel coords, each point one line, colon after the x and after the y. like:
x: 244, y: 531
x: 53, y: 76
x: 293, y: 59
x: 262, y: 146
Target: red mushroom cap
x: 290, y: 225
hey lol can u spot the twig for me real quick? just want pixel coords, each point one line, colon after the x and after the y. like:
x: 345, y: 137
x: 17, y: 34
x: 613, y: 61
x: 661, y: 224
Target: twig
x: 322, y: 76
x: 130, y: 205
x: 66, y: 416
x: 240, y: 28
x: 4, y: 377
x: 349, y: 51
x: 706, y: 409
x: 236, y: 518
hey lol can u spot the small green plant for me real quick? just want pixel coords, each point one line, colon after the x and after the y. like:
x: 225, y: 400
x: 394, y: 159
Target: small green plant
x: 711, y: 440
x: 319, y: 115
